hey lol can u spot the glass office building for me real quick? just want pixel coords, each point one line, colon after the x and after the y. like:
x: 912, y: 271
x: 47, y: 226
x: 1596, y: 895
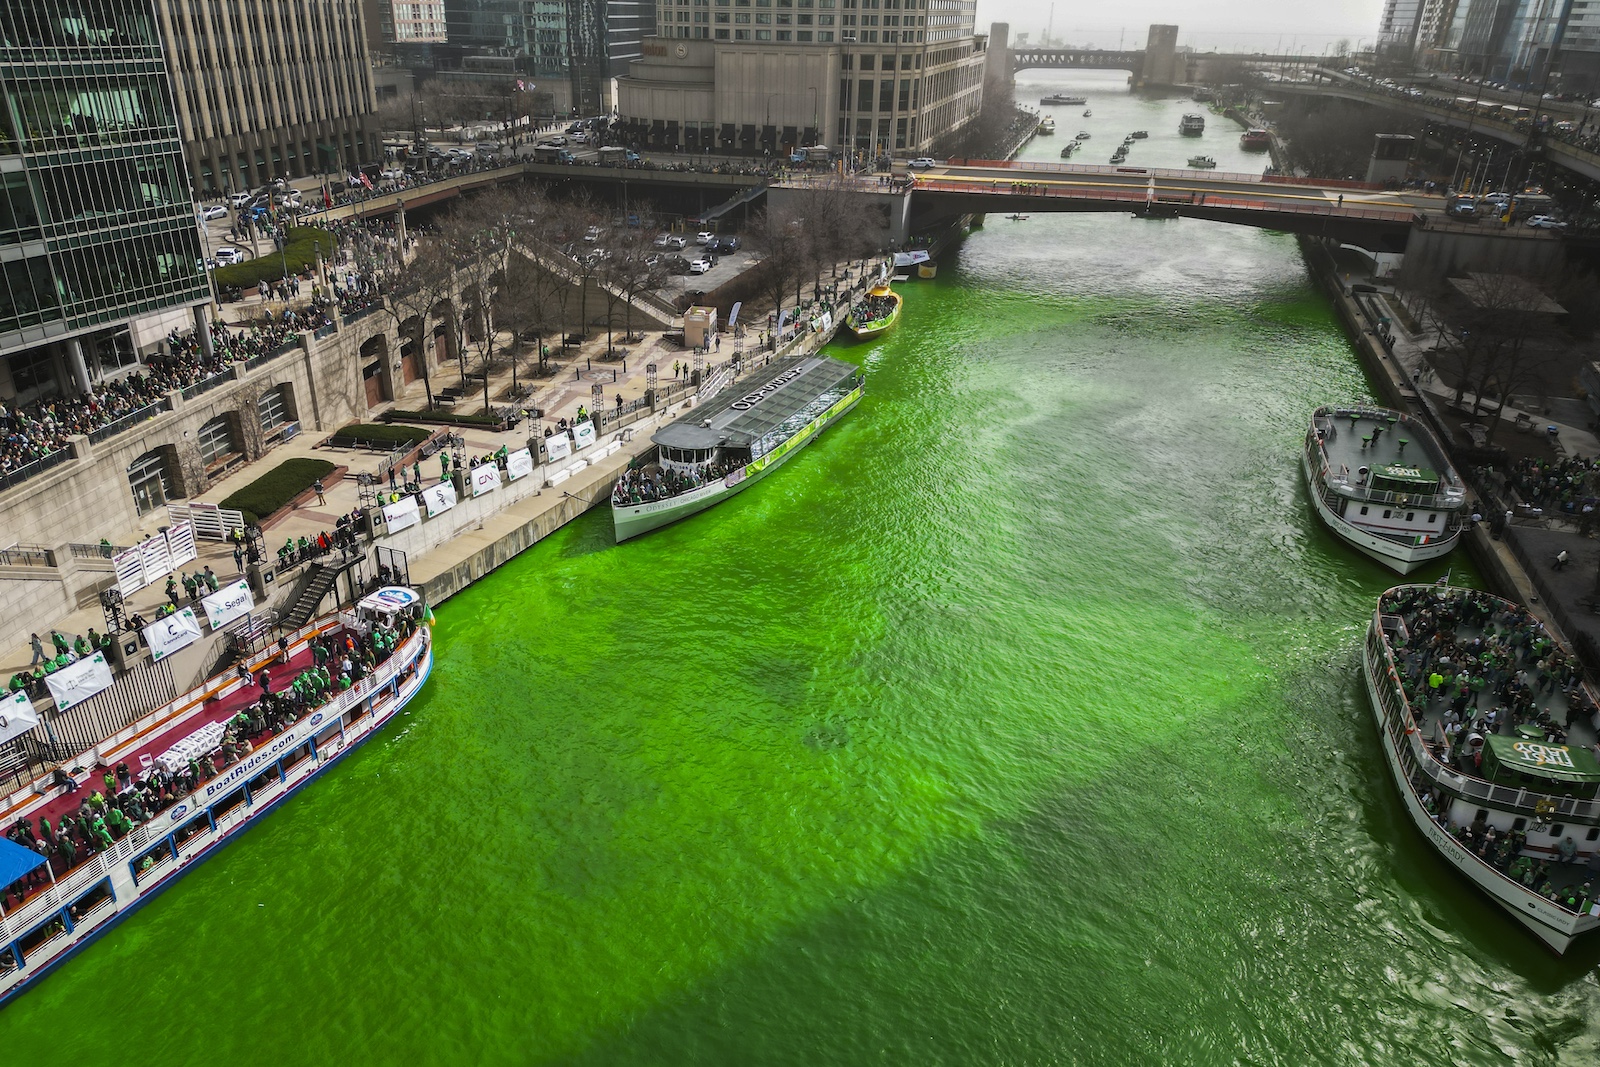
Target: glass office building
x: 97, y: 226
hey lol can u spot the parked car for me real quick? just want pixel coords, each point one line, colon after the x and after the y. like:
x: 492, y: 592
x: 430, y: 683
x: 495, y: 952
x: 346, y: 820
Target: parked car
x: 592, y: 234
x: 1546, y: 222
x: 699, y: 266
x: 703, y: 237
x: 241, y: 199
x: 393, y: 174
x: 227, y: 255
x: 675, y: 264
x: 723, y: 245
x: 671, y: 240
x: 922, y: 163
x: 1461, y: 207
x: 558, y: 140
x: 215, y: 211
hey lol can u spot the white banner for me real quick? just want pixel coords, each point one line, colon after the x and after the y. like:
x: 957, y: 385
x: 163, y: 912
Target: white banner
x: 180, y: 543
x: 485, y: 479
x: 441, y: 498
x: 558, y: 447
x: 17, y: 716
x: 228, y: 603
x: 583, y: 434
x: 171, y: 632
x: 733, y: 316
x: 402, y: 515
x: 519, y: 464
x: 77, y: 682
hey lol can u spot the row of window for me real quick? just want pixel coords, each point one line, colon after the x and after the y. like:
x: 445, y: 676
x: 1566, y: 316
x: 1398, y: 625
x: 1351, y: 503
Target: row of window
x: 81, y: 196
x: 78, y: 27
x: 761, y: 19
x: 45, y: 114
x: 866, y: 61
x: 905, y: 132
x: 151, y: 476
x: 909, y: 92
x: 79, y: 283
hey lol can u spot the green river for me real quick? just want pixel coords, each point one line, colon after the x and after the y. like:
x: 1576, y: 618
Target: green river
x: 1016, y: 721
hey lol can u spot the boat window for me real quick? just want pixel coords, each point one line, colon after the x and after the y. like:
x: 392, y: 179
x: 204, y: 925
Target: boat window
x: 327, y: 736
x: 8, y: 961
x: 98, y: 895
x: 1411, y: 516
x: 1433, y: 516
x: 227, y: 804
x: 160, y: 854
x: 1519, y: 825
x: 1388, y: 512
x: 1363, y: 510
x: 293, y: 759
x: 1594, y: 834
x: 197, y: 825
x: 33, y: 939
x: 1555, y: 831
x: 263, y: 780
x: 1482, y: 816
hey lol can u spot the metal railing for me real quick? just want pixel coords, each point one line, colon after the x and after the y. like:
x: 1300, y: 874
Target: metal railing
x: 18, y: 475
x: 27, y: 556
x: 205, y: 385
x: 116, y: 426
x: 86, y: 551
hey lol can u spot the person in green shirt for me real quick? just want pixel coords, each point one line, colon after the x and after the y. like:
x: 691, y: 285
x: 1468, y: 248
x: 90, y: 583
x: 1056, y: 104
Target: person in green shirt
x: 81, y: 647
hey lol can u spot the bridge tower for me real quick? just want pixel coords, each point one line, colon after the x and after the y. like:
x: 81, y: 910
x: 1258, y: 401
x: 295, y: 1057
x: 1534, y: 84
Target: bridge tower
x: 1160, y: 56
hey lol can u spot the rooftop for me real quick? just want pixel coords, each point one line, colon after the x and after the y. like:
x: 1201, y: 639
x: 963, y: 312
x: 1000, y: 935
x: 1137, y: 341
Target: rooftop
x: 757, y: 404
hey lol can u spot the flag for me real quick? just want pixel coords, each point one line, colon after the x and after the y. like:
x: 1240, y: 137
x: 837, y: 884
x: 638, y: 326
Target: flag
x: 366, y: 181
x: 327, y: 196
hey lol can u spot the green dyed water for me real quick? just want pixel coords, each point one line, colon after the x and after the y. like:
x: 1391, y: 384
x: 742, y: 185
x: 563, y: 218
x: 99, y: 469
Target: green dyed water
x: 1014, y: 721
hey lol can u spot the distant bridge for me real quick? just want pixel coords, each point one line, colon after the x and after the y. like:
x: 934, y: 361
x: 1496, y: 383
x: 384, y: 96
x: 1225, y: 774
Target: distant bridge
x: 1077, y: 59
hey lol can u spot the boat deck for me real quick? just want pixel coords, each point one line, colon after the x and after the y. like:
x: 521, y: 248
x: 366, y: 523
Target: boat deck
x: 1371, y: 440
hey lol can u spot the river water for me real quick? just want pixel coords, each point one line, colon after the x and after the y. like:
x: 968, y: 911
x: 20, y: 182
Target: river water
x: 1014, y: 721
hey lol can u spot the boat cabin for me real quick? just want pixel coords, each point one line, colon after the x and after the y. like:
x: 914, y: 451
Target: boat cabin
x: 1537, y: 765
x: 1397, y: 478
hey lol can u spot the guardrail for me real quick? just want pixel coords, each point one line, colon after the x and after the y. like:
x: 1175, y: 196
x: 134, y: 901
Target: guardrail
x: 205, y: 385
x: 116, y: 426
x: 1212, y: 200
x: 27, y: 556
x: 18, y: 475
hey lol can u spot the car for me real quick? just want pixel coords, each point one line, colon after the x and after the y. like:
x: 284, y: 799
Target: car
x: 1546, y: 222
x: 557, y: 141
x: 675, y: 264
x: 922, y: 163
x: 723, y: 245
x: 392, y: 174
x: 227, y: 255
x: 580, y: 137
x: 704, y: 237
x: 215, y: 211
x: 592, y: 234
x: 673, y: 241
x: 241, y: 199
x: 699, y: 265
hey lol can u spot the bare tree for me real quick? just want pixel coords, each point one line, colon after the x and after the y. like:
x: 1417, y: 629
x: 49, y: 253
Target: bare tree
x: 412, y: 288
x: 1498, y: 332
x: 781, y: 235
x: 478, y: 237
x: 1335, y: 140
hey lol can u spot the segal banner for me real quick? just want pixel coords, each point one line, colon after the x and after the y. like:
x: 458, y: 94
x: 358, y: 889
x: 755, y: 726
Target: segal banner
x: 228, y: 603
x: 74, y: 684
x: 519, y: 464
x: 171, y: 632
x: 401, y: 515
x: 441, y: 498
x: 485, y: 479
x: 583, y: 434
x: 558, y: 446
x: 17, y: 716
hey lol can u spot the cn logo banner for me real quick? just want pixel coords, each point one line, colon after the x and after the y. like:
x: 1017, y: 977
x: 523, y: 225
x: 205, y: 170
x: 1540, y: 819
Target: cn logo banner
x: 441, y: 498
x: 228, y: 603
x: 401, y: 515
x: 583, y: 435
x: 558, y: 446
x: 519, y: 464
x: 485, y: 479
x: 168, y: 634
x: 17, y: 716
x: 72, y: 685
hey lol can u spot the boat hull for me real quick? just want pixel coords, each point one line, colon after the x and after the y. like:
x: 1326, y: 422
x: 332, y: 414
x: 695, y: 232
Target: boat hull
x: 1553, y: 925
x: 1402, y: 559
x: 867, y: 331
x: 130, y: 893
x: 631, y: 520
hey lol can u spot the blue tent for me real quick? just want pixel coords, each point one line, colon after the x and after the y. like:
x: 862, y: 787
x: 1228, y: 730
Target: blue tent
x: 16, y: 861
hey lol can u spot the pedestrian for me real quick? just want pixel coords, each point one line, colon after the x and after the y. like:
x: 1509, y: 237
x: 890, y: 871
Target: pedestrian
x: 210, y: 579
x: 172, y: 591
x: 1341, y: 200
x: 416, y: 472
x: 38, y: 649
x: 238, y: 559
x: 317, y: 488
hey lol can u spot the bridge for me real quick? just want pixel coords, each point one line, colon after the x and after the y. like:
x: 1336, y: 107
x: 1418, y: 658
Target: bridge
x: 1077, y: 59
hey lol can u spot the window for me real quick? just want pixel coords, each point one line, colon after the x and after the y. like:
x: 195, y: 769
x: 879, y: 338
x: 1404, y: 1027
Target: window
x: 1411, y: 516
x: 1363, y: 509
x: 1557, y: 830
x: 216, y: 439
x: 1388, y: 512
x: 274, y: 408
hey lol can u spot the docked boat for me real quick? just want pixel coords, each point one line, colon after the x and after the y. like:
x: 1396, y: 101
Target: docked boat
x: 1255, y: 140
x: 1498, y: 774
x: 1192, y: 125
x: 1381, y: 482
x: 1063, y: 101
x: 1047, y: 127
x: 1202, y: 163
x: 1139, y: 135
x: 184, y: 779
x: 733, y: 440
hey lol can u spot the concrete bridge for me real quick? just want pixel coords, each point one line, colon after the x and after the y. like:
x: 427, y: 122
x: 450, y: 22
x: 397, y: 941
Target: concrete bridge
x: 1077, y: 59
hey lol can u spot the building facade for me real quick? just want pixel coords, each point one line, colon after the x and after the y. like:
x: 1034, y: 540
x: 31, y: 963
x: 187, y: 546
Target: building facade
x: 555, y: 47
x: 97, y: 225
x: 765, y: 76
x: 270, y: 88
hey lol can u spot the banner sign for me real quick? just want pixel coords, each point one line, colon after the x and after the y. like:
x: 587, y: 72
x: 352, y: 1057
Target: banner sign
x: 519, y: 464
x: 402, y: 515
x: 74, y: 684
x: 485, y: 479
x: 441, y: 498
x: 583, y: 434
x: 733, y: 316
x: 17, y: 716
x: 168, y: 634
x: 228, y: 603
x: 558, y: 446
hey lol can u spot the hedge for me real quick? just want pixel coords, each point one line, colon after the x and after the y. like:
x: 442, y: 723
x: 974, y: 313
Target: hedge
x: 448, y: 418
x: 382, y: 433
x: 268, y: 266
x: 277, y: 487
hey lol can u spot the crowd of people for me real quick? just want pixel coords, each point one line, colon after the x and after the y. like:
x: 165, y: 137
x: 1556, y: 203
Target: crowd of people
x: 1555, y: 484
x: 104, y: 815
x: 305, y: 549
x: 66, y: 653
x: 662, y: 483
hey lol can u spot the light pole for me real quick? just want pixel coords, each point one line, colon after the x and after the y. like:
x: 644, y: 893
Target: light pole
x: 768, y: 125
x: 815, y: 97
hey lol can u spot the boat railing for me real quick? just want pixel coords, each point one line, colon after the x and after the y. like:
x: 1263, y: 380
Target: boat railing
x: 1407, y: 734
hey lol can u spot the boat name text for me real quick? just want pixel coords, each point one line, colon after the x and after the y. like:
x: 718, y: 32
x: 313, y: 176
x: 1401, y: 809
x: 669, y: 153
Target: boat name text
x: 750, y: 400
x: 1544, y: 755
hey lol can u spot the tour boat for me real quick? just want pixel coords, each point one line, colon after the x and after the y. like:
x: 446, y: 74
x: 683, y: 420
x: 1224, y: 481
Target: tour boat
x: 1202, y: 162
x: 1071, y: 147
x: 69, y: 910
x: 874, y: 315
x: 1017, y: 218
x: 1509, y: 801
x: 1047, y: 127
x: 1139, y: 135
x: 1063, y: 101
x: 1255, y: 140
x: 733, y: 440
x: 1192, y: 125
x: 1402, y: 509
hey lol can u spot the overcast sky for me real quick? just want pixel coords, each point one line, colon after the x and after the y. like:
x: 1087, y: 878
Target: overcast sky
x: 1239, y: 25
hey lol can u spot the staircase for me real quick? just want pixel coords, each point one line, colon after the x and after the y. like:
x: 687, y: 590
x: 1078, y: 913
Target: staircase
x: 314, y: 585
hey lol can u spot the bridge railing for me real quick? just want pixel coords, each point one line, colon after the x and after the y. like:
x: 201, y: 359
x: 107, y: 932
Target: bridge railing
x: 1044, y: 166
x: 1166, y: 198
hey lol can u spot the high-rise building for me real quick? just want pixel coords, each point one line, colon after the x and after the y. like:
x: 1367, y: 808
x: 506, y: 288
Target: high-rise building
x: 628, y: 23
x: 97, y: 225
x: 759, y: 75
x: 558, y: 45
x: 270, y: 88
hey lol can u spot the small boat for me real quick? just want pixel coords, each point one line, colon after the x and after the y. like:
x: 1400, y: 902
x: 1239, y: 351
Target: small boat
x: 1119, y: 159
x: 1139, y: 135
x: 1255, y: 140
x: 1128, y: 139
x: 1071, y: 147
x: 1202, y: 162
x: 1192, y: 125
x: 1088, y: 114
x: 1505, y: 796
x: 1083, y: 135
x: 876, y: 313
x: 1062, y: 101
x: 928, y: 270
x: 1381, y: 482
x: 1047, y: 127
x: 1017, y: 218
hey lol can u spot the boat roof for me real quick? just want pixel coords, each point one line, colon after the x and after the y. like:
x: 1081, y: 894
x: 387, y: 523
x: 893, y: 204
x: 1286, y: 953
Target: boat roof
x: 1541, y: 759
x: 390, y: 600
x: 1422, y: 460
x: 757, y: 403
x: 16, y: 861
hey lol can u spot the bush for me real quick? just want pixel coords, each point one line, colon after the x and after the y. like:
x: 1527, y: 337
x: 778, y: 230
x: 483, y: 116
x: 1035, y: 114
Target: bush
x: 277, y: 487
x: 301, y: 255
x: 446, y: 417
x: 382, y: 433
